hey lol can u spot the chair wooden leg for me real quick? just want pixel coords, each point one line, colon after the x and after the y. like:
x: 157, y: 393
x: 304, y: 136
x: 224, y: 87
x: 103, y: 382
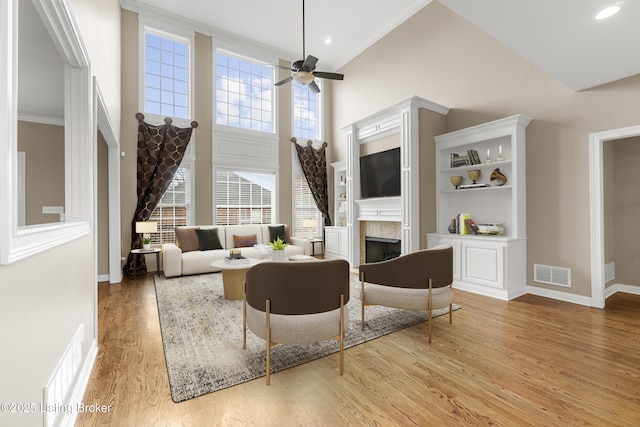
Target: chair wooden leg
x: 451, y: 313
x: 244, y: 317
x: 268, y: 342
x: 429, y: 308
x: 341, y: 334
x: 362, y: 301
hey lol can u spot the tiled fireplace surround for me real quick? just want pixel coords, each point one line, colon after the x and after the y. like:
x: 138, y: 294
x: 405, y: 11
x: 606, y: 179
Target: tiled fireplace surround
x: 386, y: 229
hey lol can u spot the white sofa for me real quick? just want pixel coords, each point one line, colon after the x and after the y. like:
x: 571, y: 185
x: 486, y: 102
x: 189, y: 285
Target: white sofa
x: 176, y: 262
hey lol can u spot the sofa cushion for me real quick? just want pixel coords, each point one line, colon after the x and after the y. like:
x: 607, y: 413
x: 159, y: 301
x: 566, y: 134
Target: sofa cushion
x: 276, y: 231
x: 187, y: 239
x: 208, y: 239
x: 245, y: 241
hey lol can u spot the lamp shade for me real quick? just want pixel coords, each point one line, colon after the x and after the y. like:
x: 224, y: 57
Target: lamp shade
x: 146, y: 227
x: 310, y: 223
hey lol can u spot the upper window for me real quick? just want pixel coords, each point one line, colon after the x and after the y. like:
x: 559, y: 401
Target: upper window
x: 166, y: 75
x: 306, y: 107
x: 244, y: 94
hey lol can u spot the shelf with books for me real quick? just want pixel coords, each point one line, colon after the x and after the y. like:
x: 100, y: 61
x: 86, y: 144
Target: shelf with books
x: 493, y: 263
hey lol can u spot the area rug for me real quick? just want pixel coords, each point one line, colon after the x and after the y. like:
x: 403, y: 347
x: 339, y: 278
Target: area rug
x: 202, y: 335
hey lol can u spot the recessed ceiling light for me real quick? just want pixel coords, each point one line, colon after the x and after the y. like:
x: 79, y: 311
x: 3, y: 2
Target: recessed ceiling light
x: 327, y: 40
x: 608, y: 12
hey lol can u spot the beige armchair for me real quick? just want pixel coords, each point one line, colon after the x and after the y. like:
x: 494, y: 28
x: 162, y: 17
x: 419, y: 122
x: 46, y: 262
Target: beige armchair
x: 297, y: 302
x: 417, y: 281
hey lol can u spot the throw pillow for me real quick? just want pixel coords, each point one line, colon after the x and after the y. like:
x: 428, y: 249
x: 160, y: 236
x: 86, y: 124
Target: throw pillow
x: 187, y: 239
x: 209, y: 239
x: 245, y: 241
x: 276, y: 231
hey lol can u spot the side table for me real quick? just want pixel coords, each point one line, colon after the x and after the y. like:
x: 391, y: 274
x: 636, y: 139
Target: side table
x: 137, y: 252
x: 313, y: 246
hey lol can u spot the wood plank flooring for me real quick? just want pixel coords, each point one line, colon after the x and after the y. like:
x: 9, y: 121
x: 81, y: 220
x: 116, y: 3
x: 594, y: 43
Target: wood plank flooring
x: 527, y: 362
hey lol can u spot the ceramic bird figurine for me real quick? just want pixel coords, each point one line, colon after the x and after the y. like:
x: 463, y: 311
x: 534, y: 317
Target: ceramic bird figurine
x: 496, y: 174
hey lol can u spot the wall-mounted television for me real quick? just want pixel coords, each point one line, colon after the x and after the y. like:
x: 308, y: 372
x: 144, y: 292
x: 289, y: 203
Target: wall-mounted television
x: 380, y: 174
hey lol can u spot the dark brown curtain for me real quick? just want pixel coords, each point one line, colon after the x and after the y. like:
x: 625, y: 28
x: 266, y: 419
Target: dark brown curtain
x: 160, y: 152
x: 314, y: 167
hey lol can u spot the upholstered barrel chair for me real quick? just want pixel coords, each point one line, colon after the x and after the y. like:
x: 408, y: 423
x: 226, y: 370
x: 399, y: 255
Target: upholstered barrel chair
x: 297, y: 302
x: 417, y: 281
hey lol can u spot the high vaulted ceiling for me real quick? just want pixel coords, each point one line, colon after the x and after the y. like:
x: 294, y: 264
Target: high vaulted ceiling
x: 562, y: 37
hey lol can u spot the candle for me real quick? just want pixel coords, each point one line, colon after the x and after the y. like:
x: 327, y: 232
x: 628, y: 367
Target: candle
x: 488, y: 152
x: 500, y: 149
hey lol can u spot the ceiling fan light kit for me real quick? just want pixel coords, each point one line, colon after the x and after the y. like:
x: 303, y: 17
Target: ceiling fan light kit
x: 304, y: 70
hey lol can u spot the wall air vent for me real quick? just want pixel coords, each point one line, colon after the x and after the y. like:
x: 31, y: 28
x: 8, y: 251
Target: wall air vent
x: 559, y: 276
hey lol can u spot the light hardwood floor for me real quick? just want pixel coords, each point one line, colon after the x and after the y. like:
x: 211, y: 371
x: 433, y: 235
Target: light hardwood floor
x: 527, y: 362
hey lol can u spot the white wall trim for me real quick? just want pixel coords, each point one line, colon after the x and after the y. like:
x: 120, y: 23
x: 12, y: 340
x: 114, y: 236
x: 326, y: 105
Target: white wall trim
x: 596, y: 203
x: 619, y: 287
x: 77, y: 393
x: 104, y: 125
x: 559, y: 295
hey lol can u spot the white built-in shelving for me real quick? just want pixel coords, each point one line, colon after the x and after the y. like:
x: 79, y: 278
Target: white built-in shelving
x: 491, y: 265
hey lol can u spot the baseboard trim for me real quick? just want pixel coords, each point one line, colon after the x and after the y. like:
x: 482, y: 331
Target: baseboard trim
x: 561, y: 296
x: 77, y: 393
x: 619, y: 287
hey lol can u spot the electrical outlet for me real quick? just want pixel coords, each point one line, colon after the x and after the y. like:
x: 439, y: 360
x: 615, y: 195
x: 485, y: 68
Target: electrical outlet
x: 53, y: 209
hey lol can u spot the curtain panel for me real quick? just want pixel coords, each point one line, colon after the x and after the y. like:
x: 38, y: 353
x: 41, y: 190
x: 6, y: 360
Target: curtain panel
x: 314, y: 166
x: 160, y: 151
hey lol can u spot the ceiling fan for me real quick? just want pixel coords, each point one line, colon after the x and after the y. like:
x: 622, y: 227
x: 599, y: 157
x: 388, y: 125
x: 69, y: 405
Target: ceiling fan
x: 303, y: 70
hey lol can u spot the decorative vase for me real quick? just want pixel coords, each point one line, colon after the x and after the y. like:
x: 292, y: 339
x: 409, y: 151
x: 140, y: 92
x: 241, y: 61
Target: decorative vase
x: 456, y: 180
x: 452, y: 226
x: 474, y: 174
x: 278, y: 255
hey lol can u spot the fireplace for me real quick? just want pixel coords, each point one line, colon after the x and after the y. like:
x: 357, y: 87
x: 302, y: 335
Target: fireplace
x: 378, y: 249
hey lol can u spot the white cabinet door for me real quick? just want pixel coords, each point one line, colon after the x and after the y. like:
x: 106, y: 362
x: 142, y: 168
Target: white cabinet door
x: 343, y: 243
x: 331, y: 241
x: 483, y: 264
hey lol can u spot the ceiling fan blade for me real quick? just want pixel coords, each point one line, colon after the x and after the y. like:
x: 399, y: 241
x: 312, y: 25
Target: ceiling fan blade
x: 281, y: 82
x: 325, y: 75
x: 314, y: 87
x: 282, y: 67
x: 309, y: 63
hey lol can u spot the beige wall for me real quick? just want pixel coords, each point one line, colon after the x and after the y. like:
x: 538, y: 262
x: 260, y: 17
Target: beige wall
x: 441, y: 57
x: 102, y: 214
x: 99, y: 22
x: 43, y: 145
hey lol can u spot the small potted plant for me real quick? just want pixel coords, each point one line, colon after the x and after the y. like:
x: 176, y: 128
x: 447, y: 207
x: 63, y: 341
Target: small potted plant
x: 146, y: 243
x: 278, y: 246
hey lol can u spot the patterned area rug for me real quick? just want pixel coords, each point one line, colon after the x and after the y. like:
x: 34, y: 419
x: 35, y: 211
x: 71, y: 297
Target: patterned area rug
x: 202, y: 335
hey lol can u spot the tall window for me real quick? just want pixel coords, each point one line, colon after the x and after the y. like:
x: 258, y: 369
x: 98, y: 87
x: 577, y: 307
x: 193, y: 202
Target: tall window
x: 173, y: 210
x: 243, y: 197
x: 244, y: 94
x: 306, y: 125
x: 166, y: 75
x: 306, y: 107
x: 304, y: 208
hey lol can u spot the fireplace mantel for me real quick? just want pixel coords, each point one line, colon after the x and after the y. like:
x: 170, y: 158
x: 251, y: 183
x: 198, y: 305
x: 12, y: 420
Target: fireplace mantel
x: 412, y: 124
x: 379, y: 209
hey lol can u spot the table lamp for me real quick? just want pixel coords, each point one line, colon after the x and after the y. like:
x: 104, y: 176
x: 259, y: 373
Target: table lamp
x: 144, y: 228
x: 311, y: 224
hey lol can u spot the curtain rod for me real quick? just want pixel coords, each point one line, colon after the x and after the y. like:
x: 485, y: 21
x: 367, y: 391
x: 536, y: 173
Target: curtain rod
x: 167, y: 120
